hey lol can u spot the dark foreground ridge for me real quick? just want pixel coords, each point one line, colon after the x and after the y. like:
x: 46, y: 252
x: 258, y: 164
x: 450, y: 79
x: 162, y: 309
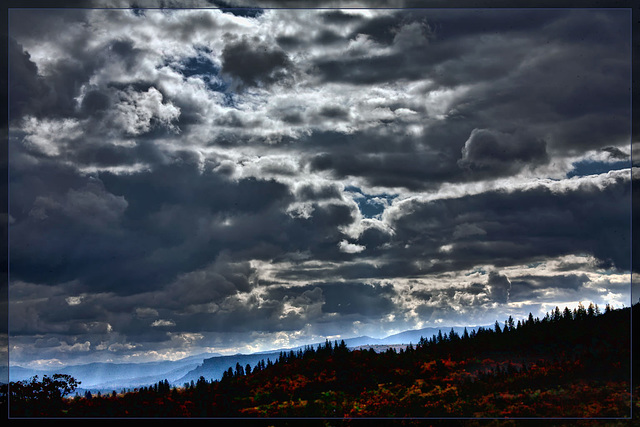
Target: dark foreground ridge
x: 570, y: 364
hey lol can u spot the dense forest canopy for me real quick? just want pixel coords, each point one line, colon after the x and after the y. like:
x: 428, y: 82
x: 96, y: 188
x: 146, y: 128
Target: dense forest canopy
x: 568, y: 364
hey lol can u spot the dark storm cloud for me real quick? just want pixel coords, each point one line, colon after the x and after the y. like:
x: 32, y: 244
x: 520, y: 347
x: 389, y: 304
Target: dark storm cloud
x: 332, y: 214
x: 424, y: 52
x: 180, y: 182
x: 325, y: 37
x: 239, y: 318
x: 184, y: 224
x: 122, y: 232
x: 255, y: 63
x: 573, y: 96
x: 334, y: 112
x: 496, y: 227
x: 237, y: 9
x: 390, y: 170
x: 126, y: 52
x: 142, y: 228
x: 319, y: 233
x: 224, y: 278
x: 44, y: 21
x: 289, y: 42
x: 267, y: 313
x: 480, y: 139
x: 53, y: 96
x: 56, y: 93
x: 438, y: 301
x: 345, y: 298
x: 63, y: 222
x: 373, y: 238
x: 179, y: 231
x: 575, y: 110
x: 194, y: 302
x: 338, y: 17
x: 357, y: 298
x: 328, y: 37
x: 104, y: 155
x: 25, y: 83
x: 381, y: 29
x: 520, y: 226
x: 615, y: 153
x: 56, y: 243
x: 368, y: 154
x: 497, y: 153
x: 95, y: 102
x: 458, y: 37
x: 313, y: 192
x: 367, y: 71
x: 530, y: 287
x: 499, y: 287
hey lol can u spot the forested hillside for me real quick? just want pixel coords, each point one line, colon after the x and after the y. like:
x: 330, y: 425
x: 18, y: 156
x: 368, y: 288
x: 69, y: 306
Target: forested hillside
x: 567, y: 364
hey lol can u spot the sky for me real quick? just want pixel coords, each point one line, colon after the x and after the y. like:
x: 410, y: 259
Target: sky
x: 220, y: 180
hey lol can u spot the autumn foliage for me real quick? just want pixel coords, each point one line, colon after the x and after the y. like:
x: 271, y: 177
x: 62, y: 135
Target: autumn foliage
x: 573, y: 364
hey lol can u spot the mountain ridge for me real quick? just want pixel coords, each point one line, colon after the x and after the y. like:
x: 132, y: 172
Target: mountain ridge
x: 107, y: 376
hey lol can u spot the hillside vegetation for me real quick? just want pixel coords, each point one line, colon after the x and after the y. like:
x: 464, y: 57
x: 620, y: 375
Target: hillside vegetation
x: 574, y: 364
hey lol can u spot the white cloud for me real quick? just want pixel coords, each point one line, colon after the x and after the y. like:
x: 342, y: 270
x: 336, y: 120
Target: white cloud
x: 49, y: 136
x: 350, y: 248
x: 136, y: 110
x: 74, y: 300
x: 271, y: 133
x: 162, y: 322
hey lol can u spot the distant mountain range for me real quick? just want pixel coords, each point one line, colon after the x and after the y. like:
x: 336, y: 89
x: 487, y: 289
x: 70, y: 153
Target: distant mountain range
x: 412, y: 336
x: 107, y: 377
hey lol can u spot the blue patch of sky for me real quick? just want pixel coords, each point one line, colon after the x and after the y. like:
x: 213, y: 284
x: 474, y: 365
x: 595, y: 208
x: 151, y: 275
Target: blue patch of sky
x: 245, y: 12
x: 209, y: 72
x: 370, y: 205
x: 203, y: 67
x: 479, y: 270
x: 590, y: 167
x: 137, y: 11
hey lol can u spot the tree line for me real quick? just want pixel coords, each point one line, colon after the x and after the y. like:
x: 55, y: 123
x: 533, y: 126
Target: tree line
x: 448, y: 374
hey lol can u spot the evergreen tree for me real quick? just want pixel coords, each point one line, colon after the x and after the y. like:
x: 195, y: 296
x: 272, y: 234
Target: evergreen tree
x: 581, y: 312
x: 239, y: 370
